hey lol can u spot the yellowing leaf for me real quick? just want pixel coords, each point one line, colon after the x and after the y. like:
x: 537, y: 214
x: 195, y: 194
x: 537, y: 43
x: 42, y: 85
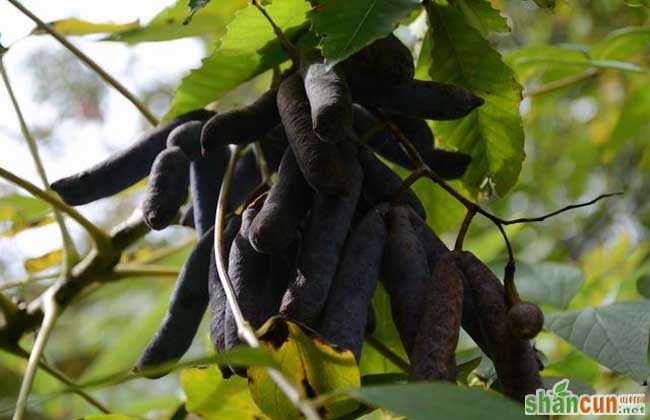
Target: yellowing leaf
x: 314, y: 367
x: 43, y: 262
x: 212, y: 397
x: 74, y: 26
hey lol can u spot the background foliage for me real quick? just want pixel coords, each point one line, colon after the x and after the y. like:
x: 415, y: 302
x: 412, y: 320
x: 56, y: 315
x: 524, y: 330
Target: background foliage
x: 567, y: 117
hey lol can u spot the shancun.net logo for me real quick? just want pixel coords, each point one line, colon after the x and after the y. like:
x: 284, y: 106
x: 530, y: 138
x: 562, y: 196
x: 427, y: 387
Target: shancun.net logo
x: 561, y: 400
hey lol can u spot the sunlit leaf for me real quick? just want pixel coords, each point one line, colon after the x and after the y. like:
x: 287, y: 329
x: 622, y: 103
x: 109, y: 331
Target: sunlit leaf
x: 74, y: 26
x: 311, y: 364
x: 493, y: 133
x: 483, y: 16
x: 212, y: 397
x: 43, y: 262
x: 111, y: 417
x: 348, y: 26
x: 172, y: 22
x: 19, y: 212
x: 634, y: 121
x: 372, y: 362
x: 615, y: 335
x: 248, y: 48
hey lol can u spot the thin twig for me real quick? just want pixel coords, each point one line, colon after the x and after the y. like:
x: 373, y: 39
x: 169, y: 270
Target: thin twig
x: 562, y: 210
x: 136, y: 270
x: 387, y: 353
x: 101, y: 239
x: 28, y: 280
x: 244, y: 329
x: 262, y: 164
x: 71, y: 256
x: 559, y: 84
x: 88, y: 62
x: 467, y: 221
x: 50, y: 314
x: 286, y: 43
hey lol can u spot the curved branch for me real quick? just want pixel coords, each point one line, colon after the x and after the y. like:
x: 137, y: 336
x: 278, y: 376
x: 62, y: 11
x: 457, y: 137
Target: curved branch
x: 51, y: 312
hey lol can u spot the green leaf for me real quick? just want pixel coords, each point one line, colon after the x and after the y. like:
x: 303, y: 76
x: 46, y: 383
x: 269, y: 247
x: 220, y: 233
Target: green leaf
x: 492, y: 134
x: 43, y: 262
x: 623, y: 44
x: 211, y: 397
x: 634, y: 121
x: 615, y: 335
x: 638, y: 3
x: 439, y: 401
x: 248, y: 48
x: 545, y: 4
x: 548, y: 283
x: 372, y: 362
x: 482, y: 16
x: 74, y: 26
x: 19, y: 213
x: 643, y: 286
x: 347, y: 26
x: 312, y: 365
x: 546, y: 62
x: 111, y: 417
x: 172, y: 22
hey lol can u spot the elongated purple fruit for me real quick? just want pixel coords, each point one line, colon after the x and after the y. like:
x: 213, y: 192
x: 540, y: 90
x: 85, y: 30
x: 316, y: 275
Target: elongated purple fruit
x: 188, y: 303
x: 405, y: 275
x: 187, y: 217
x: 321, y: 163
x: 447, y: 164
x: 241, y: 126
x: 167, y: 188
x: 218, y: 301
x: 206, y: 175
x: 187, y: 137
x: 382, y: 184
x: 419, y: 98
x: 329, y: 97
x: 275, y: 226
x: 385, y: 57
x: 345, y: 316
x: 435, y: 249
x: 251, y: 273
x: 375, y: 134
x: 122, y: 169
x: 514, y: 358
x: 433, y: 356
x: 323, y: 238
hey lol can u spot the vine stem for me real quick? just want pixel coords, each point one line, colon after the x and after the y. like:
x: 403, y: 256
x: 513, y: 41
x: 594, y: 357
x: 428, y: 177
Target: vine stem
x: 286, y: 43
x: 88, y: 62
x: 71, y: 254
x: 244, y: 329
x: 51, y: 312
x: 101, y: 239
